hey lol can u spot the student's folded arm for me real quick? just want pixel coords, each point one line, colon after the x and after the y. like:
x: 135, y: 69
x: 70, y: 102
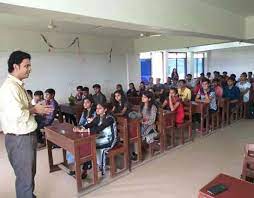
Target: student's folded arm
x: 106, y: 123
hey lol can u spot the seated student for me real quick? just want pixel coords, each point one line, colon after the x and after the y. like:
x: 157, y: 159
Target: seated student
x: 207, y: 94
x: 231, y: 92
x: 98, y: 97
x: 86, y: 93
x: 120, y: 105
x: 79, y: 94
x: 47, y: 120
x: 217, y: 88
x: 38, y: 97
x: 119, y: 87
x: 142, y: 88
x: 104, y: 125
x: 233, y: 76
x: 175, y: 83
x: 158, y: 87
x: 250, y: 77
x: 89, y: 111
x: 216, y: 74
x: 190, y: 83
x: 175, y: 104
x: 202, y: 76
x: 132, y: 92
x: 87, y: 116
x: 148, y: 112
x: 30, y: 94
x: 244, y: 87
x: 168, y: 84
x: 197, y: 87
x: 150, y: 83
x: 209, y: 75
x: 184, y: 92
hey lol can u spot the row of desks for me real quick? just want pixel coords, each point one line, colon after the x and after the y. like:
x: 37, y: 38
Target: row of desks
x: 82, y: 145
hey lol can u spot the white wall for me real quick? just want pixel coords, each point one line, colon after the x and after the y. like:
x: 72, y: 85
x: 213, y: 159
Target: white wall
x: 63, y: 70
x: 233, y: 60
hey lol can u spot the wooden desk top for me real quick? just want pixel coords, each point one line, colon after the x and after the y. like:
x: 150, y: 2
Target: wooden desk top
x: 66, y: 130
x: 199, y: 107
x: 237, y: 188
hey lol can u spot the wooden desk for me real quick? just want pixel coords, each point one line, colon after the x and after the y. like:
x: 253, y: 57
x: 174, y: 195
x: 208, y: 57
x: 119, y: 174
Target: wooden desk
x: 166, y: 126
x: 224, y: 105
x: 203, y: 109
x: 74, y: 110
x: 134, y: 100
x: 236, y: 188
x: 81, y: 145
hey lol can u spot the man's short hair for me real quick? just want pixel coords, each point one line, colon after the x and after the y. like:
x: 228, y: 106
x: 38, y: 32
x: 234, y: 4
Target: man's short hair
x: 38, y: 93
x: 17, y: 57
x: 30, y: 92
x: 79, y: 87
x: 206, y: 80
x: 96, y: 86
x: 86, y: 89
x: 231, y: 78
x: 244, y: 74
x: 183, y: 81
x: 50, y: 91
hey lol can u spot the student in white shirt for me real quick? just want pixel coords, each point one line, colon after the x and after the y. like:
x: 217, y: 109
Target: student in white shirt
x: 38, y: 97
x: 244, y: 87
x: 18, y: 123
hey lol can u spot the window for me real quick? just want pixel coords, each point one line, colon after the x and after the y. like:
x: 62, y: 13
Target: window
x: 146, y: 66
x: 178, y: 61
x: 199, y: 62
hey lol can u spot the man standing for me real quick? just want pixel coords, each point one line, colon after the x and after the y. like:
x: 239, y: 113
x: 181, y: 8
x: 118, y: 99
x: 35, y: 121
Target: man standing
x: 18, y: 123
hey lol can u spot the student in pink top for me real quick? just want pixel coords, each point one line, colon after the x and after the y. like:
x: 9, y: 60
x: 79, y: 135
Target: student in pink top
x: 217, y: 87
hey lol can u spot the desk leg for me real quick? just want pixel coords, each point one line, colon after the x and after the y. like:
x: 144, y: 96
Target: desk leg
x: 78, y: 171
x: 228, y: 116
x: 202, y: 124
x: 64, y: 158
x: 207, y: 123
x: 52, y: 167
x: 223, y: 117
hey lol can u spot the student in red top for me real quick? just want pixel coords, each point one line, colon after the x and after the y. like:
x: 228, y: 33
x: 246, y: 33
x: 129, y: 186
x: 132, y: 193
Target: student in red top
x: 197, y: 87
x: 175, y: 104
x: 217, y: 88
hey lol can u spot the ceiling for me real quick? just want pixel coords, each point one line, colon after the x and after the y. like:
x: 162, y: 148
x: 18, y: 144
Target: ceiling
x: 38, y: 20
x: 243, y: 8
x: 41, y: 25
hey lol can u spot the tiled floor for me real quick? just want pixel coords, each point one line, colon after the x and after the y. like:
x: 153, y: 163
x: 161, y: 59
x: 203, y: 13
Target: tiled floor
x: 178, y: 174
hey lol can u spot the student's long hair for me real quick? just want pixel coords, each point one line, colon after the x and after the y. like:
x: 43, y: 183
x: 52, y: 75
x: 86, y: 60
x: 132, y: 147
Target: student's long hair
x: 150, y: 96
x: 134, y: 88
x: 123, y: 98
